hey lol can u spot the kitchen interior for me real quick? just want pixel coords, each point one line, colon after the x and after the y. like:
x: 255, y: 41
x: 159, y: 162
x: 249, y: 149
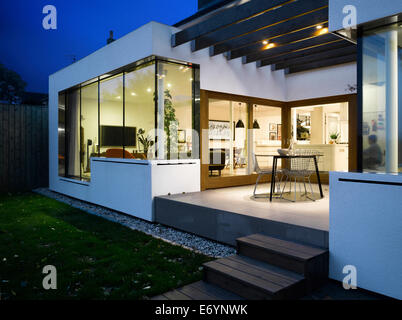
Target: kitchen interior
x: 325, y: 129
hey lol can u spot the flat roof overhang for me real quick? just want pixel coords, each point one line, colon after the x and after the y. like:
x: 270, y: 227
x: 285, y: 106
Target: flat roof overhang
x: 291, y: 35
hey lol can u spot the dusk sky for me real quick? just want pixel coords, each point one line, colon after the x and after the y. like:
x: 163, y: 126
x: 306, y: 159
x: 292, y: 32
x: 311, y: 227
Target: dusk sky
x: 82, y: 27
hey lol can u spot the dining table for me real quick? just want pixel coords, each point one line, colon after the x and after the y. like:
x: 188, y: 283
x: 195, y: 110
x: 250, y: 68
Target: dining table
x: 277, y: 157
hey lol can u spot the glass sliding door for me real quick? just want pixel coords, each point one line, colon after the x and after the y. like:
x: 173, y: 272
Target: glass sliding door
x: 267, y: 133
x: 111, y: 117
x: 140, y: 112
x: 175, y: 110
x: 62, y: 135
x: 73, y: 146
x: 382, y: 105
x: 324, y: 129
x: 228, y: 138
x: 89, y: 128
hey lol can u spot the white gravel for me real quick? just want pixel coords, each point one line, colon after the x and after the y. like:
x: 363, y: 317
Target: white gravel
x: 184, y: 239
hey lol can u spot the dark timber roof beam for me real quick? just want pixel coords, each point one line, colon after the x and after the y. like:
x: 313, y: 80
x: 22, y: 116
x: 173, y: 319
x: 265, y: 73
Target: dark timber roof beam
x: 321, y: 64
x: 313, y: 18
x: 265, y: 20
x: 225, y: 18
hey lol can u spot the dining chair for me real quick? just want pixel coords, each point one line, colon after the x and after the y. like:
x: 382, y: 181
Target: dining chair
x: 299, y: 171
x: 263, y: 171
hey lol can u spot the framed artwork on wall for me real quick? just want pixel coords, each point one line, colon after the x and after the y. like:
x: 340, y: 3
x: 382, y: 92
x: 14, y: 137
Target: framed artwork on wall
x: 272, y: 136
x: 181, y: 136
x: 219, y: 130
x: 272, y: 127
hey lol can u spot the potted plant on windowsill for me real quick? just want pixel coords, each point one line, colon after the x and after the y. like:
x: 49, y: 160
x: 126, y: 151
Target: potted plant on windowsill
x: 334, y: 138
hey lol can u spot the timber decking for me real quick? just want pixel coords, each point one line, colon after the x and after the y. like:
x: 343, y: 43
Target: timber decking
x: 264, y: 268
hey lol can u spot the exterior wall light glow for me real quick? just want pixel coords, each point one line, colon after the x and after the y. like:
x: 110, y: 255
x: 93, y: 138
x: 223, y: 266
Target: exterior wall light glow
x: 265, y: 42
x: 319, y: 27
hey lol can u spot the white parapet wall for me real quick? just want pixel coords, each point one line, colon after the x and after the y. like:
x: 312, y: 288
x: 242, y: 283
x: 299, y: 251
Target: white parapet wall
x: 129, y: 186
x: 366, y: 230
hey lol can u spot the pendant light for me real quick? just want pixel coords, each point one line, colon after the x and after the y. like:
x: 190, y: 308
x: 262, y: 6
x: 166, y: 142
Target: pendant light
x: 240, y: 123
x: 256, y: 125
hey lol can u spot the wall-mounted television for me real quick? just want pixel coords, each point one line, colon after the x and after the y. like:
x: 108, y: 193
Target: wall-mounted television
x: 112, y: 136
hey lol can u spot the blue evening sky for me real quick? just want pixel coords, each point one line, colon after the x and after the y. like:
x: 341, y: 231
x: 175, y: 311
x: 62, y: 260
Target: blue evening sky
x: 82, y: 27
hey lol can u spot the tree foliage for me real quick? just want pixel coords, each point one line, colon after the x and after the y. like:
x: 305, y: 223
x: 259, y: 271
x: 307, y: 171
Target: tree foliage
x: 11, y: 85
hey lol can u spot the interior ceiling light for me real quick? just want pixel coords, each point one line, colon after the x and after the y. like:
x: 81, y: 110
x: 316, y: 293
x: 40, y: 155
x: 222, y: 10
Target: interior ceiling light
x: 265, y: 42
x: 149, y: 90
x: 133, y: 94
x: 319, y: 27
x: 240, y: 123
x: 256, y: 125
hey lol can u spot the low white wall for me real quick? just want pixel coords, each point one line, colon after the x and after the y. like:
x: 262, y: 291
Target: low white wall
x: 366, y: 230
x: 129, y: 186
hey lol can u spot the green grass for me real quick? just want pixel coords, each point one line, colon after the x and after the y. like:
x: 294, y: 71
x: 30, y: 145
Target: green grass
x: 95, y: 258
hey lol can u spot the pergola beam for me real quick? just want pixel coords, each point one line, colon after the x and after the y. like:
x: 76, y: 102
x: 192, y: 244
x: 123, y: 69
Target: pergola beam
x: 269, y: 18
x: 224, y: 18
x: 321, y: 63
x: 311, y: 19
x: 269, y: 53
x: 289, y: 63
x: 279, y: 41
x: 303, y: 52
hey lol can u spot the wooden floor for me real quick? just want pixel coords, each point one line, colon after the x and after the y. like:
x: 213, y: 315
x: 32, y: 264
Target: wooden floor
x: 264, y: 268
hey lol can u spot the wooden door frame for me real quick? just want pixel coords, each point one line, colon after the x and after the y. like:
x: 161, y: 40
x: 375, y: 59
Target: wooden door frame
x: 208, y: 182
x: 231, y: 181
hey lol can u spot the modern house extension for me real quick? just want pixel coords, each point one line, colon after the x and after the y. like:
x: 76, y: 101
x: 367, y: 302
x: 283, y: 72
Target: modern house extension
x: 166, y: 123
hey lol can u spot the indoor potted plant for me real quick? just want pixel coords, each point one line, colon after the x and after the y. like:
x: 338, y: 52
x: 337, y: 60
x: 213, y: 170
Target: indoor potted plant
x: 334, y: 137
x: 146, y: 142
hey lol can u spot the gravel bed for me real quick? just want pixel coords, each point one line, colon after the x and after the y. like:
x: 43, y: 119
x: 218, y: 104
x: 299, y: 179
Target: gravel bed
x: 184, y: 239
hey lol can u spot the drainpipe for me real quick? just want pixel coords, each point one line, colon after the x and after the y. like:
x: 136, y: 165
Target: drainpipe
x: 391, y: 110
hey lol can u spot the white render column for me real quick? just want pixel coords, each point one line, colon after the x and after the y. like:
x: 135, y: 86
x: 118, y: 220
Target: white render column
x: 391, y: 108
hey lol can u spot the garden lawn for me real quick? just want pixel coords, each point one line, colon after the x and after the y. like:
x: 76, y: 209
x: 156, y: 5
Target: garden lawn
x: 94, y: 258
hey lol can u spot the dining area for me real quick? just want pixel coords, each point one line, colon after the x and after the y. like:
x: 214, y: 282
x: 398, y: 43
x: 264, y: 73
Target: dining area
x: 290, y: 172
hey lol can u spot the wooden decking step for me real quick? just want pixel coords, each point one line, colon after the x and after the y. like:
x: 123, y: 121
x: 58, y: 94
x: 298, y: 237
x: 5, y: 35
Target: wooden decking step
x: 308, y: 261
x: 252, y: 279
x: 198, y: 291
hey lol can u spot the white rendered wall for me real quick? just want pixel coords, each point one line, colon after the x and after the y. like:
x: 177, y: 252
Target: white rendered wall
x: 129, y: 186
x: 367, y: 10
x: 323, y: 82
x: 365, y: 225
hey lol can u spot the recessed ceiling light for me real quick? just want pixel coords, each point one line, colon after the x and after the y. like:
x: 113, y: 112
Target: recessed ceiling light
x: 323, y: 31
x: 169, y: 85
x: 265, y: 42
x: 133, y: 94
x: 149, y: 90
x: 319, y: 27
x: 118, y: 97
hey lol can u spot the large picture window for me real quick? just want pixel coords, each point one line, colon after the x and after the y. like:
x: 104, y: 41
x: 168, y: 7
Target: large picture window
x: 382, y: 106
x: 147, y: 110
